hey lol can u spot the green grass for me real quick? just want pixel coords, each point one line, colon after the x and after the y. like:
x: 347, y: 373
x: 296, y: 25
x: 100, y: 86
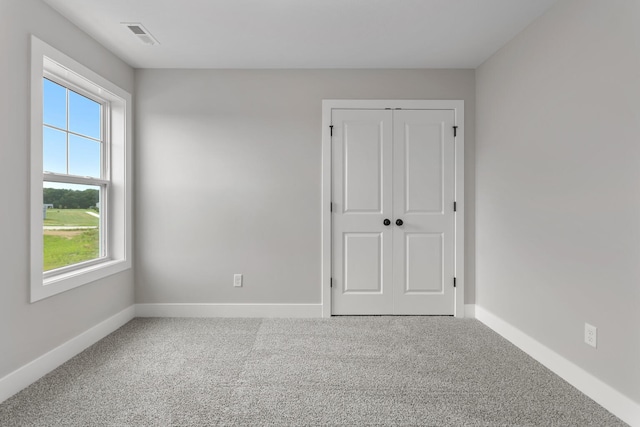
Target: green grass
x: 70, y: 247
x: 68, y: 217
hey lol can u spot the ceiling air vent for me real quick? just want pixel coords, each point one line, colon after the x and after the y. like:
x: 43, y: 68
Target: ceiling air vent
x: 141, y: 33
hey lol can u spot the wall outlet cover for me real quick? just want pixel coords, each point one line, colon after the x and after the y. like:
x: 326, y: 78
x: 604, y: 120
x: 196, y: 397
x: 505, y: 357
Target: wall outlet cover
x: 237, y: 280
x: 591, y: 335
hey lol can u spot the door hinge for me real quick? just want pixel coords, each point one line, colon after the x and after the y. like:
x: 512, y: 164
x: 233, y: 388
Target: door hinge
x: 455, y: 131
x: 454, y: 282
x: 331, y: 207
x: 455, y: 206
x: 331, y: 130
x: 331, y: 282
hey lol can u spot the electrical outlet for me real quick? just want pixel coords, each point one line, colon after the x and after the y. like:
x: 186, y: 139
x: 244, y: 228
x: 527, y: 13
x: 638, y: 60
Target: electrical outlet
x: 237, y: 280
x: 591, y: 335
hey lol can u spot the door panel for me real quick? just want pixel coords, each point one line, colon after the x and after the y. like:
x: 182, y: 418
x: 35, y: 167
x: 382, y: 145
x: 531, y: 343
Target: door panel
x: 423, y: 263
x: 423, y: 190
x: 423, y: 163
x: 363, y: 263
x: 362, y: 153
x: 362, y: 163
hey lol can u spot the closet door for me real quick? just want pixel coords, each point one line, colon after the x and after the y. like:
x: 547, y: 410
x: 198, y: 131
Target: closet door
x: 423, y: 195
x: 392, y: 217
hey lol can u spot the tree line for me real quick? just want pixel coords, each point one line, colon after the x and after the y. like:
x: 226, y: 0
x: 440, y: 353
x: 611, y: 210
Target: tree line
x: 62, y: 198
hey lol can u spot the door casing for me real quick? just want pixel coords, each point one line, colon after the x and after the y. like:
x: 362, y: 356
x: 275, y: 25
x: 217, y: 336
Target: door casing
x: 458, y: 108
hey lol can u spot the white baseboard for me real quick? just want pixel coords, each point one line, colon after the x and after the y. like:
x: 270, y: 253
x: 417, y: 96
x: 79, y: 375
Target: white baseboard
x: 229, y: 310
x: 36, y: 369
x: 470, y: 311
x: 605, y: 395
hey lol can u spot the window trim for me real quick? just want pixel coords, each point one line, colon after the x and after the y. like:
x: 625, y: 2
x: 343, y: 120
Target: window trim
x: 47, y: 61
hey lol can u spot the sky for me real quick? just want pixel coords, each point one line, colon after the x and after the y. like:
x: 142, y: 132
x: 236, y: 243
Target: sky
x: 71, y: 134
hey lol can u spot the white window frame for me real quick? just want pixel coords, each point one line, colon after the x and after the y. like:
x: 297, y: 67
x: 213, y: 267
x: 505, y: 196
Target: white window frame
x: 116, y: 218
x: 104, y: 181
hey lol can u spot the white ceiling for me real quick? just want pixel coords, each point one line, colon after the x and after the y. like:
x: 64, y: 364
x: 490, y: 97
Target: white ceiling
x: 305, y: 33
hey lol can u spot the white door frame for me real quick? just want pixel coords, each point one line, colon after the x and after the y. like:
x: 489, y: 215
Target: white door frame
x: 458, y: 107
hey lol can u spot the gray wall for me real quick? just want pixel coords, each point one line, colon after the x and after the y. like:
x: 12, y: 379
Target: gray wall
x: 558, y: 185
x: 228, y: 176
x: 29, y: 330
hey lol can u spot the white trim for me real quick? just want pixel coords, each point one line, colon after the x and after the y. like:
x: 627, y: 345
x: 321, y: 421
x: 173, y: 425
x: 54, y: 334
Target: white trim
x: 229, y: 310
x: 327, y: 106
x: 470, y: 311
x: 458, y: 107
x: 605, y: 395
x: 325, y: 245
x: 36, y: 369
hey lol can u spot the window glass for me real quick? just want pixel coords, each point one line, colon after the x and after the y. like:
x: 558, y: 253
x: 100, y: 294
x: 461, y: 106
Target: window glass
x: 84, y: 156
x: 54, y: 104
x: 71, y: 224
x: 84, y: 115
x: 54, y: 150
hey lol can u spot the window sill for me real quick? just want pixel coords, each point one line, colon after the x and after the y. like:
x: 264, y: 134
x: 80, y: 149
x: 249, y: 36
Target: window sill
x: 75, y: 278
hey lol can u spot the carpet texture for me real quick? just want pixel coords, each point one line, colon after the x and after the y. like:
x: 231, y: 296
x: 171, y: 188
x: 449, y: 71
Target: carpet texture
x: 352, y: 371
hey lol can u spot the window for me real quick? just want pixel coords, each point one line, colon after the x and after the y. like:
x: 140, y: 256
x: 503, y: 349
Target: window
x: 75, y: 179
x: 80, y: 186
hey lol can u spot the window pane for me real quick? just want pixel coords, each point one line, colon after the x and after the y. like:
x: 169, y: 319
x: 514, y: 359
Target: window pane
x: 54, y: 104
x: 84, y: 115
x: 84, y: 157
x: 71, y: 224
x: 54, y: 150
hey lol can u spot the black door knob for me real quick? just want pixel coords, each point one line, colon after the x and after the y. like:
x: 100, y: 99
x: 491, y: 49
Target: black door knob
x: 386, y: 221
x: 399, y: 222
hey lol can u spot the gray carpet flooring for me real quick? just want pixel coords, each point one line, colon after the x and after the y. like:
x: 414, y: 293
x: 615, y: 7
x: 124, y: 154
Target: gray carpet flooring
x: 352, y: 371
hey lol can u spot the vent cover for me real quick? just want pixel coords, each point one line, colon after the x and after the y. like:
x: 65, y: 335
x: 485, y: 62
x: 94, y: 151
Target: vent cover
x: 141, y: 33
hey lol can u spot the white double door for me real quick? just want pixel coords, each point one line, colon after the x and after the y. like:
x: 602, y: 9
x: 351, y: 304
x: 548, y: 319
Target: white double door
x: 393, y: 212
